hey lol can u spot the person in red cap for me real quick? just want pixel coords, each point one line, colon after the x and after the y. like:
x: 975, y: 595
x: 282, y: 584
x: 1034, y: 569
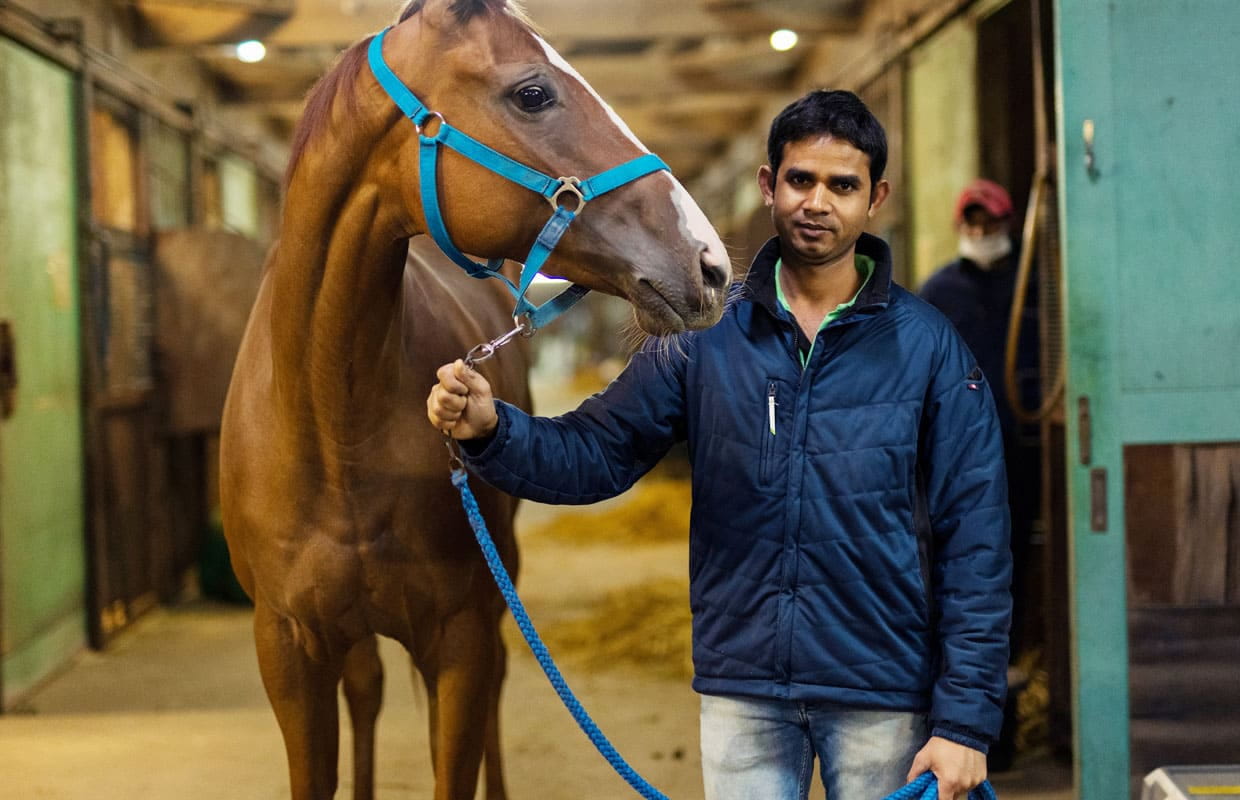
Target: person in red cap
x: 983, y: 211
x: 975, y: 292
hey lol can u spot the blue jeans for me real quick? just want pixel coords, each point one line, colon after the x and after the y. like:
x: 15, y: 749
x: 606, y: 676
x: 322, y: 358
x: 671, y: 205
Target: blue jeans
x: 764, y: 749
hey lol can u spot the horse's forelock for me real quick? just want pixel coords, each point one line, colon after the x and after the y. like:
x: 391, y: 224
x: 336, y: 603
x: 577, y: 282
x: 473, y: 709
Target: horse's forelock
x: 465, y: 10
x: 317, y: 110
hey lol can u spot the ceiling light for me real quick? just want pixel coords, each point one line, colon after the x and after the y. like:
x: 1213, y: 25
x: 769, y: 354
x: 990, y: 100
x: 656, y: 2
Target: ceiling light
x: 251, y: 51
x: 783, y: 39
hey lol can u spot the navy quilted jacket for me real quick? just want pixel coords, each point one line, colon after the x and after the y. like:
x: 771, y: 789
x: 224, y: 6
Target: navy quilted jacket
x: 849, y: 530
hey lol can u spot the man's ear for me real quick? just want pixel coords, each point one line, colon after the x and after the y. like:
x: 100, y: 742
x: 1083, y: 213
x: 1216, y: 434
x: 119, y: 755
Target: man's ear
x: 879, y: 196
x: 766, y: 184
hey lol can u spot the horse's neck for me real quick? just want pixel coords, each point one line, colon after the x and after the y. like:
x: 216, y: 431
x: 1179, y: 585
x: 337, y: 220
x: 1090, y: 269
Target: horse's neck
x: 336, y: 301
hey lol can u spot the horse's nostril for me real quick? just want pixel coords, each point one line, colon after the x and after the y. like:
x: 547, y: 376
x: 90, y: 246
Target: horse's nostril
x: 714, y: 275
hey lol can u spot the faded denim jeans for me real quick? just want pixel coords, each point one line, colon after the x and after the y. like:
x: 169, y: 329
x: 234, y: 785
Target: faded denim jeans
x: 765, y: 749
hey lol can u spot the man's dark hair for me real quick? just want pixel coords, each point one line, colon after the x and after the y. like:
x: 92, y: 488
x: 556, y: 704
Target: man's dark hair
x: 829, y: 112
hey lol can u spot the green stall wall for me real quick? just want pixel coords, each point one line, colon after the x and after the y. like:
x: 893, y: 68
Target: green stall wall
x: 940, y: 139
x: 42, y: 548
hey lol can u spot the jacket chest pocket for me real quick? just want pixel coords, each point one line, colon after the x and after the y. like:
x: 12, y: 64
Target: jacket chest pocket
x: 766, y: 451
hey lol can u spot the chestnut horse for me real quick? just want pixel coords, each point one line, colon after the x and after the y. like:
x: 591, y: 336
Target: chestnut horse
x: 340, y: 517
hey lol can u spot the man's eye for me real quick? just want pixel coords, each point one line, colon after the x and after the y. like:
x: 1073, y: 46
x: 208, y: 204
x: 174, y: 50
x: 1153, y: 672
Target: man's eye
x: 533, y: 98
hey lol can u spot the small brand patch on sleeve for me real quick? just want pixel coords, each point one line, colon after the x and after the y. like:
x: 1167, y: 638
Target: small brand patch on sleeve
x: 974, y: 379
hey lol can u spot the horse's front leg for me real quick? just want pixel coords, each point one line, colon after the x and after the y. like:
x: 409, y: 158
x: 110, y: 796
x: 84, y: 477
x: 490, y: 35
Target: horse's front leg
x: 463, y: 684
x: 493, y: 755
x: 363, y: 691
x: 302, y: 692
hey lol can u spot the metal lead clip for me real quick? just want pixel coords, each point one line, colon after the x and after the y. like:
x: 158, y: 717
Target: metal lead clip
x: 482, y: 352
x: 454, y: 454
x: 476, y: 355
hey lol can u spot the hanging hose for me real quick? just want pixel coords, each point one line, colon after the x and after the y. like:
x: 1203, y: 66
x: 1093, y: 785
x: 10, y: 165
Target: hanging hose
x: 1038, y: 220
x: 1029, y: 243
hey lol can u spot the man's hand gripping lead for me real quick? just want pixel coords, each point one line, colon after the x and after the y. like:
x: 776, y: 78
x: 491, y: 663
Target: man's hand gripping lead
x: 461, y: 404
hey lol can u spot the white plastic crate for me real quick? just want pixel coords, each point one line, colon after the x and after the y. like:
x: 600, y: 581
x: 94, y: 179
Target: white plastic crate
x: 1215, y: 782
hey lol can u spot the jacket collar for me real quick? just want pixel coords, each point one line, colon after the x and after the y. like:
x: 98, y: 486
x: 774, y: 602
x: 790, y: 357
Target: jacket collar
x: 876, y: 294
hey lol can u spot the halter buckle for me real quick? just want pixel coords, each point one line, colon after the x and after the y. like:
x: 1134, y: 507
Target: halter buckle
x: 570, y: 186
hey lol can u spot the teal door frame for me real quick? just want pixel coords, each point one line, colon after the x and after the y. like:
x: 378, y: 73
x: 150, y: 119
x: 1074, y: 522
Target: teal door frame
x: 1095, y: 559
x: 1147, y: 158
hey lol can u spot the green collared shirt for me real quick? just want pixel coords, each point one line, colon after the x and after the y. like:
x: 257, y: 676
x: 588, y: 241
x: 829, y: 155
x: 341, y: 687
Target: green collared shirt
x: 865, y: 268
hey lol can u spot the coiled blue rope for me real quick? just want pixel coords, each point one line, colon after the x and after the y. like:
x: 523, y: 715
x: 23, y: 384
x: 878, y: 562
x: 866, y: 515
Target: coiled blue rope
x: 923, y: 788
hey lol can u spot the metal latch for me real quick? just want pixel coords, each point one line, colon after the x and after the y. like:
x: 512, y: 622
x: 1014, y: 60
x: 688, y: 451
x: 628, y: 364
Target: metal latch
x: 1098, y: 500
x: 8, y: 370
x: 1084, y: 432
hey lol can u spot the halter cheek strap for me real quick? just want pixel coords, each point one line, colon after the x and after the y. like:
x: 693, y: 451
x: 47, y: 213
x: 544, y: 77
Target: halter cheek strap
x: 553, y: 189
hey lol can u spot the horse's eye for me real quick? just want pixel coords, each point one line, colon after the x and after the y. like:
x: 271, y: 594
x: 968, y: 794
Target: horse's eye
x: 533, y: 98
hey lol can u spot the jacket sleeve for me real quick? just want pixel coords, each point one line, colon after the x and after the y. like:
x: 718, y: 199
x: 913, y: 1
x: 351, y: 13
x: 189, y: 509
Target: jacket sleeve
x: 598, y: 450
x: 966, y: 498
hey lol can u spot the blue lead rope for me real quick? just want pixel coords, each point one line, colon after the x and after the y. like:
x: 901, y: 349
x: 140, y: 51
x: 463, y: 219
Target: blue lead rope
x: 461, y: 480
x: 923, y: 788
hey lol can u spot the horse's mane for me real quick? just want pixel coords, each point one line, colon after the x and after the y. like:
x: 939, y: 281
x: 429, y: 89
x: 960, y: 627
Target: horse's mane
x: 339, y: 79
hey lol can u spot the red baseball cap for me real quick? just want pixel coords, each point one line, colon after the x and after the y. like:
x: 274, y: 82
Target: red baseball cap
x: 989, y: 195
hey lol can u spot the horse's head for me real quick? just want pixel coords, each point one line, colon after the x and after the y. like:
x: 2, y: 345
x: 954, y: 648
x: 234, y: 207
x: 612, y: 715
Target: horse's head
x: 480, y: 65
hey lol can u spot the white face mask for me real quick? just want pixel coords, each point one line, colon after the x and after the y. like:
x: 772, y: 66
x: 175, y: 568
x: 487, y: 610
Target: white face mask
x: 987, y: 250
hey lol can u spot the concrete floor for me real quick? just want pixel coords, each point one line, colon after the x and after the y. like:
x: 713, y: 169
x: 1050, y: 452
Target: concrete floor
x: 175, y: 711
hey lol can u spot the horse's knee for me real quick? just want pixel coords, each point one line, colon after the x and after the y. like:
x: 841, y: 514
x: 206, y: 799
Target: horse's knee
x: 363, y: 675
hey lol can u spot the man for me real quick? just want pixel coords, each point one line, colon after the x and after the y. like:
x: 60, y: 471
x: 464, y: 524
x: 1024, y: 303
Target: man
x: 975, y: 292
x: 848, y: 558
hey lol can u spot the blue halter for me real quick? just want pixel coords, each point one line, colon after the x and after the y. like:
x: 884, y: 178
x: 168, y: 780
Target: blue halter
x: 553, y: 189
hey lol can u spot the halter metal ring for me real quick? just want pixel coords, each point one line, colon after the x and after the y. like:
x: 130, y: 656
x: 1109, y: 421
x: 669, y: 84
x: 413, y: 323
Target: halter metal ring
x: 421, y: 126
x: 570, y: 186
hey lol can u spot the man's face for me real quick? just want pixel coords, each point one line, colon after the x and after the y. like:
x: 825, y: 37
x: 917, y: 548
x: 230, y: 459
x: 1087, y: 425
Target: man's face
x: 979, y: 223
x: 821, y: 200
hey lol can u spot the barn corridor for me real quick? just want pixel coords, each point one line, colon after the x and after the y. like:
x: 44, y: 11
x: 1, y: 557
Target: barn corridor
x: 176, y: 710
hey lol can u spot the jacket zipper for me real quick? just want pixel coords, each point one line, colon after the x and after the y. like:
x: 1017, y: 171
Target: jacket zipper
x: 770, y: 406
x: 768, y: 438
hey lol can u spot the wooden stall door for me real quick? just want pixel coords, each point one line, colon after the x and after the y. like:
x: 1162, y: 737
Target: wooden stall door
x: 42, y: 546
x: 128, y: 544
x: 1182, y: 503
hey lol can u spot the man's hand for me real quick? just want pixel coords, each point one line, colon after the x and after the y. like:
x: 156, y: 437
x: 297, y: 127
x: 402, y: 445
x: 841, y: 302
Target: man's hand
x: 957, y: 768
x: 461, y: 403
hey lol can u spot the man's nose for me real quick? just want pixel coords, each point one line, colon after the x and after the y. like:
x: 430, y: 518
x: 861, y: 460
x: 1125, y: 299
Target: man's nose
x: 818, y: 199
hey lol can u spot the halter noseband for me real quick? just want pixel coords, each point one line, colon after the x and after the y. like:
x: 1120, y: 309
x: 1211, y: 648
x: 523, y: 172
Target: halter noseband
x: 553, y: 189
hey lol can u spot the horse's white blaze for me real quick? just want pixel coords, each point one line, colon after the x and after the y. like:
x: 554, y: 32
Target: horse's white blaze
x: 692, y: 220
x: 558, y: 60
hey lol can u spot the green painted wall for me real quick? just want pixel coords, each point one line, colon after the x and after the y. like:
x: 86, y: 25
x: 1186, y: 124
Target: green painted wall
x: 239, y: 195
x: 42, y: 548
x: 168, y: 159
x: 940, y: 140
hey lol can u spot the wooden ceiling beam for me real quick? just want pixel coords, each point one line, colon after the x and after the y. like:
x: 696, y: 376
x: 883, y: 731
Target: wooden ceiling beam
x: 327, y: 22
